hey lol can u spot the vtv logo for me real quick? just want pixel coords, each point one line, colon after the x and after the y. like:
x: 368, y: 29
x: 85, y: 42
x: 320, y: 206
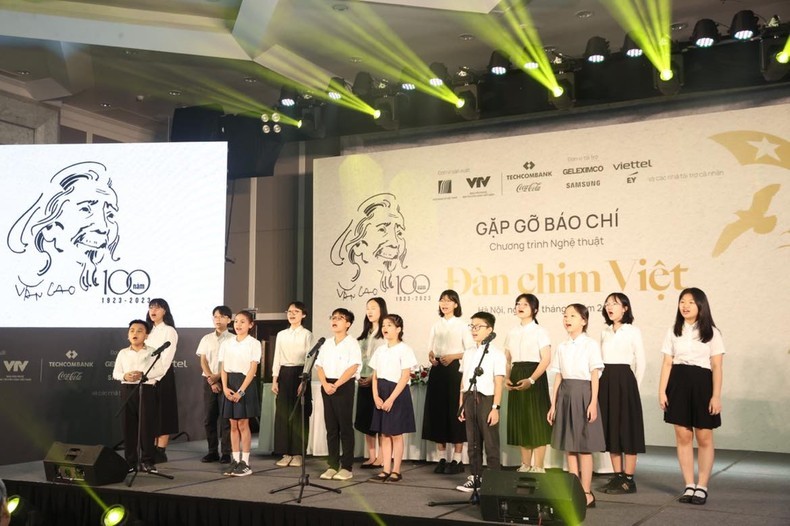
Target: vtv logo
x: 15, y: 366
x: 478, y: 182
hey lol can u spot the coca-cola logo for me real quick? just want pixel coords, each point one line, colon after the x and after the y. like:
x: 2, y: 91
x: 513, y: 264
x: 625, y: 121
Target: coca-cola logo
x: 71, y: 376
x: 531, y: 187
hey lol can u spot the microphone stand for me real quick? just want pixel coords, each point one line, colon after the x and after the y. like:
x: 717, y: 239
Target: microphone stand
x: 304, y: 477
x: 475, y: 498
x: 139, y: 388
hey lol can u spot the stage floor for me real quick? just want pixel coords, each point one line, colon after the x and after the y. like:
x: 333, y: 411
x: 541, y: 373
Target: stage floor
x: 746, y: 488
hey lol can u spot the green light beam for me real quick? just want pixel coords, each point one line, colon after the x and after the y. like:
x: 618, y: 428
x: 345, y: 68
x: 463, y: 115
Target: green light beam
x: 648, y: 23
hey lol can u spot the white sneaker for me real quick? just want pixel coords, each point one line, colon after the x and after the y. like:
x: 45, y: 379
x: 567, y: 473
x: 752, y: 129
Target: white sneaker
x: 296, y: 461
x: 284, y: 461
x: 469, y: 485
x: 535, y: 469
x: 523, y: 468
x: 328, y: 474
x: 343, y: 474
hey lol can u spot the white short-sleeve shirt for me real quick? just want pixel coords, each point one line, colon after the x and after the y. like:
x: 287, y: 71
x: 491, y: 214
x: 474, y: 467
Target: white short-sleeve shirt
x: 209, y: 347
x: 450, y: 337
x: 524, y: 342
x: 576, y: 359
x: 336, y: 358
x: 493, y: 365
x: 291, y: 348
x: 624, y: 346
x: 389, y: 362
x: 687, y: 349
x: 236, y: 355
x: 160, y: 334
x: 129, y: 360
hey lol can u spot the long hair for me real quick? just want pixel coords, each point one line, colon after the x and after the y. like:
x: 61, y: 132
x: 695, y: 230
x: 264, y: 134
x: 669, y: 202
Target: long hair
x: 705, y: 322
x: 167, y: 318
x: 534, y: 304
x: 622, y: 299
x: 451, y: 295
x: 367, y: 325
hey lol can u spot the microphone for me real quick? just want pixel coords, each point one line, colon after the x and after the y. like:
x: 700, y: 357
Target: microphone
x: 160, y: 349
x: 315, y: 348
x: 488, y: 339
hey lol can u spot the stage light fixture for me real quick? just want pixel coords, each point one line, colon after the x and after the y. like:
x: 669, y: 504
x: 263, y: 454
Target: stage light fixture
x: 266, y: 128
x: 336, y: 87
x: 744, y: 25
x: 705, y: 33
x: 440, y: 74
x: 531, y: 64
x: 287, y: 96
x: 775, y: 56
x: 407, y: 77
x: 562, y: 97
x: 466, y: 106
x: 115, y: 515
x: 386, y: 108
x: 363, y: 85
x: 597, y: 50
x: 265, y: 117
x: 670, y: 80
x: 498, y: 64
x: 630, y: 49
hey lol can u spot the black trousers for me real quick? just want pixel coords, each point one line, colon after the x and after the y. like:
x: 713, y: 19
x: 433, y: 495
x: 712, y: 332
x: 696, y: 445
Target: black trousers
x: 288, y: 436
x: 479, y: 434
x: 147, y: 423
x: 217, y: 428
x: 338, y: 416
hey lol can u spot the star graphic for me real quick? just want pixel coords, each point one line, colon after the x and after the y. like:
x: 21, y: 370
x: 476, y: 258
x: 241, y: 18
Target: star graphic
x: 765, y: 148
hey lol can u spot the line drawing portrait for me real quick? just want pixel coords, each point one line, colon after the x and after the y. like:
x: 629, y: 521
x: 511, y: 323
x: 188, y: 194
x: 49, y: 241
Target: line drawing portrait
x: 69, y: 230
x: 373, y: 244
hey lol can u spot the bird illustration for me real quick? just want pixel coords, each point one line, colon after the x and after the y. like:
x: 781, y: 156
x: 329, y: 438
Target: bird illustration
x: 752, y: 219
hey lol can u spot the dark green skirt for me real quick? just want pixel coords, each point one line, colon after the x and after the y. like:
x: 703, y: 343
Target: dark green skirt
x: 526, y: 410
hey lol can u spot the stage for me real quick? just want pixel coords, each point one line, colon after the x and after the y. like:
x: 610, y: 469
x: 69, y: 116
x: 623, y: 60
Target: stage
x: 746, y: 488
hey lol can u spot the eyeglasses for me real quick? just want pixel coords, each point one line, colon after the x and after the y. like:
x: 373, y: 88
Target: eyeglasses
x: 478, y: 327
x: 293, y: 312
x: 337, y: 317
x: 610, y: 304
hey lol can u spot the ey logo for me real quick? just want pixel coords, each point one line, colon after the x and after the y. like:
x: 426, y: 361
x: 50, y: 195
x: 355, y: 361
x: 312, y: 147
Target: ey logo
x: 478, y: 182
x: 15, y: 366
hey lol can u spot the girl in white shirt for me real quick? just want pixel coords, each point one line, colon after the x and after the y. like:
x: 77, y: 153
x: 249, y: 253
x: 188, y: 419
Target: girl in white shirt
x: 690, y: 388
x: 394, y: 414
x: 574, y: 402
x: 163, y: 329
x: 370, y: 340
x: 618, y: 395
x: 528, y: 353
x: 239, y: 358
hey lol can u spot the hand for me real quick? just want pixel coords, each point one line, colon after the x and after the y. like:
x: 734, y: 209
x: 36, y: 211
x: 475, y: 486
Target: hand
x: 662, y: 401
x: 592, y: 411
x: 330, y: 388
x: 523, y: 385
x: 215, y: 388
x: 432, y: 358
x: 299, y: 389
x: 551, y: 414
x: 378, y: 402
x: 228, y: 394
x: 387, y: 405
x: 276, y: 388
x: 462, y: 416
x: 209, y: 380
x: 364, y: 382
x: 236, y: 397
x: 446, y: 360
x: 493, y: 417
x: 714, y: 407
x: 509, y: 385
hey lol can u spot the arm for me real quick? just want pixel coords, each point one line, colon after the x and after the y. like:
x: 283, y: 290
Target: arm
x: 247, y: 381
x: 276, y: 363
x: 493, y: 416
x: 377, y: 401
x: 666, y: 367
x: 347, y: 375
x: 592, y: 409
x: 328, y: 388
x: 211, y: 379
x: 508, y: 364
x: 639, y: 357
x: 405, y: 375
x: 553, y: 409
x: 714, y: 407
x: 461, y: 415
x: 224, y: 375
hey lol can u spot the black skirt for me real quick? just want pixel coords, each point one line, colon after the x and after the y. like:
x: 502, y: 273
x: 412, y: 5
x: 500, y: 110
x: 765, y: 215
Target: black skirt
x: 527, y: 426
x: 365, y: 407
x: 621, y: 410
x: 688, y: 394
x: 440, y: 421
x: 400, y: 419
x: 166, y: 405
x: 249, y: 406
x: 287, y: 428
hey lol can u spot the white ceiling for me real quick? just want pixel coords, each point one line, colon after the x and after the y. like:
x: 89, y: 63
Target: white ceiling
x: 131, y: 54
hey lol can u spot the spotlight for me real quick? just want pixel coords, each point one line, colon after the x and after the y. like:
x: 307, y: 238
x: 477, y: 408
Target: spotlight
x: 597, y: 50
x: 363, y: 85
x: 670, y: 80
x: 630, y: 49
x: 744, y: 25
x: 275, y: 117
x: 705, y: 33
x: 498, y: 64
x: 265, y: 117
x: 466, y: 106
x: 562, y: 96
x: 775, y: 57
x: 531, y: 64
x: 266, y: 128
x: 336, y: 87
x: 287, y: 96
x: 407, y: 77
x: 386, y: 108
x: 115, y: 515
x: 440, y: 74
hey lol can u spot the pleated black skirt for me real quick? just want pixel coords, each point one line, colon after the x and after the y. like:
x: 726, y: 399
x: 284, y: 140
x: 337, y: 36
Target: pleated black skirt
x: 249, y: 406
x: 621, y: 410
x: 440, y: 421
x: 365, y: 407
x: 688, y: 392
x: 527, y: 426
x: 400, y: 419
x: 166, y: 405
x: 572, y: 432
x: 287, y: 428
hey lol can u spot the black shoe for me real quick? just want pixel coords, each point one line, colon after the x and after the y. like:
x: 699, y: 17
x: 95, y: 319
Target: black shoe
x: 149, y: 468
x: 623, y: 486
x: 454, y: 467
x: 440, y: 467
x: 612, y: 482
x: 225, y: 458
x: 591, y: 504
x: 160, y: 457
x: 211, y: 457
x: 688, y: 493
